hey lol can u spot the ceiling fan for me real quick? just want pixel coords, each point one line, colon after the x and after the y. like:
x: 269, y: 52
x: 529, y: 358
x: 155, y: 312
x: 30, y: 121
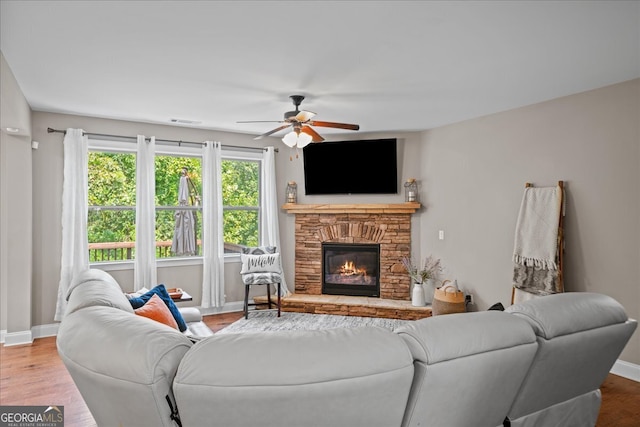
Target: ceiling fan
x: 300, y: 121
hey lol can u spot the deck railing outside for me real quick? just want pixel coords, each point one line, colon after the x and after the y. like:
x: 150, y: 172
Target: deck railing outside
x: 123, y: 251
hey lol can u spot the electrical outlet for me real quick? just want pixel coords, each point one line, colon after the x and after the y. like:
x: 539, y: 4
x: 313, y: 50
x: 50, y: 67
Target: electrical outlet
x: 469, y: 299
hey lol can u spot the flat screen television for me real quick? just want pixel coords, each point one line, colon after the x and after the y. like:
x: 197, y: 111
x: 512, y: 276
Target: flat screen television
x: 351, y: 167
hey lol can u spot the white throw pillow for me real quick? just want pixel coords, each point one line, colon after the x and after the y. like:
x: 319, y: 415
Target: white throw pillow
x: 267, y: 263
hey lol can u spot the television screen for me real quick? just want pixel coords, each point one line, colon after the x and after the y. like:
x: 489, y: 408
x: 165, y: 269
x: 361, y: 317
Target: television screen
x: 351, y: 167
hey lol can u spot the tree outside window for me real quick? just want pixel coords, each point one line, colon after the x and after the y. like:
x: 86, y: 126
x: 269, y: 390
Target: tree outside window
x: 111, y: 217
x: 241, y: 200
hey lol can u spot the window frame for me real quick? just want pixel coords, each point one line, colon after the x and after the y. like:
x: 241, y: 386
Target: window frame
x: 118, y: 147
x: 252, y: 156
x: 128, y: 146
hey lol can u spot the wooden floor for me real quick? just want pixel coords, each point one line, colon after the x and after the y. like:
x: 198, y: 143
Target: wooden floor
x: 35, y: 375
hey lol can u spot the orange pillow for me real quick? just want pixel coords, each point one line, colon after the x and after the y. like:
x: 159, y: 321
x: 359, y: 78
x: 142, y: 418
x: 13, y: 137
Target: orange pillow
x: 157, y: 310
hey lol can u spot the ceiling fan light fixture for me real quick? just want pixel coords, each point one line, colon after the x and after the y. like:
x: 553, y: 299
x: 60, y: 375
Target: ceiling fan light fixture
x: 304, y: 139
x: 295, y: 137
x: 290, y: 139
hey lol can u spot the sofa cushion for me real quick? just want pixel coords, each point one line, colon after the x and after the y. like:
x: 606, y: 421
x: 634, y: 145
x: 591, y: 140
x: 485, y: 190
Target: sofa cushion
x: 161, y: 291
x: 156, y: 309
x: 469, y: 366
x: 337, y: 377
x: 440, y: 338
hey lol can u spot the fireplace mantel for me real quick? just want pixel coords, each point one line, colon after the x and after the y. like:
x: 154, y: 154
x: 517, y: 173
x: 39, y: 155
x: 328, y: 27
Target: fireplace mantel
x: 362, y: 208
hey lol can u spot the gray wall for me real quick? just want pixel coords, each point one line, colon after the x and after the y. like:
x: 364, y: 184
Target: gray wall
x: 473, y: 180
x: 15, y: 209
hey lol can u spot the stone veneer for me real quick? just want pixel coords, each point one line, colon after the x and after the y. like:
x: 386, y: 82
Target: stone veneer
x: 391, y: 230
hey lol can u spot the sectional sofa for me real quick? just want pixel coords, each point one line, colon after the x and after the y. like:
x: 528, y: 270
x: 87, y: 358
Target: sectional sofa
x: 540, y: 363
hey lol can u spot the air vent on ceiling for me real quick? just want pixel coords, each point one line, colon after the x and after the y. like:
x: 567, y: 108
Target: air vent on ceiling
x: 185, y: 122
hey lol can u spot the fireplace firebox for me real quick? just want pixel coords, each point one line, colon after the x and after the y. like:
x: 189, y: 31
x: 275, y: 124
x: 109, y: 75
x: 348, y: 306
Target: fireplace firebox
x: 351, y: 269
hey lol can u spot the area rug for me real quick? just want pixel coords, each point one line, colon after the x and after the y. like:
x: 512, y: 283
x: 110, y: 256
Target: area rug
x: 269, y: 321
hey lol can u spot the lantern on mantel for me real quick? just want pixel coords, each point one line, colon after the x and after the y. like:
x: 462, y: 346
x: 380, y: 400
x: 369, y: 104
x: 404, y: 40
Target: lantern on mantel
x: 292, y: 192
x: 411, y: 190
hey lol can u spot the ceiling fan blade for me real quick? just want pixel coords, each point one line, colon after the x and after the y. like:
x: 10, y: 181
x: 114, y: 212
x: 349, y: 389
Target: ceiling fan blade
x: 335, y: 125
x: 304, y: 116
x: 315, y: 135
x: 272, y: 131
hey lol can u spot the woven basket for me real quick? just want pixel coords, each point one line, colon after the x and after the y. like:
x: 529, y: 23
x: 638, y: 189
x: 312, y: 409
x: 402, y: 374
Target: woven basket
x: 446, y: 300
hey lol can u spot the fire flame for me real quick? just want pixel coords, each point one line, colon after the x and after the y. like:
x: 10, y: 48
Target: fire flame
x: 349, y: 269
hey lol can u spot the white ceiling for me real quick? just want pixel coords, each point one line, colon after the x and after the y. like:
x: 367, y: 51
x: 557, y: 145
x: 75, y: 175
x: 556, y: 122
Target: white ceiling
x: 386, y: 65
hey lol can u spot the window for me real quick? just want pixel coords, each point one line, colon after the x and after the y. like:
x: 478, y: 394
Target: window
x: 111, y: 217
x: 241, y: 200
x: 178, y: 227
x: 112, y: 200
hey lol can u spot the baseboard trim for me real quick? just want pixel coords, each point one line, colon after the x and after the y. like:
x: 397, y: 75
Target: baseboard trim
x: 43, y: 331
x: 229, y: 307
x: 626, y: 369
x: 17, y: 338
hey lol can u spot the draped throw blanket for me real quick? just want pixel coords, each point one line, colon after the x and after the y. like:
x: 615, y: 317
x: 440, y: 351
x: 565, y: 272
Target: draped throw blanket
x: 536, y: 241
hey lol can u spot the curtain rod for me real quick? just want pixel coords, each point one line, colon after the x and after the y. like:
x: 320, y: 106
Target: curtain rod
x: 172, y: 141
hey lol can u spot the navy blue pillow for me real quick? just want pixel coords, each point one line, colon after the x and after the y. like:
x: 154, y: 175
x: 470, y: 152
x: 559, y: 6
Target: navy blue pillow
x: 161, y: 291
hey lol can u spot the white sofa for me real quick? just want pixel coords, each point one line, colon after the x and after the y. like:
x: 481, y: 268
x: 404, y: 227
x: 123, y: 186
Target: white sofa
x: 447, y: 371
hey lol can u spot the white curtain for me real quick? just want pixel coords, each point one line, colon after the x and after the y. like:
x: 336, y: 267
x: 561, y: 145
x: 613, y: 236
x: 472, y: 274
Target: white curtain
x: 75, y: 247
x: 269, y: 229
x: 212, y: 228
x: 145, y: 259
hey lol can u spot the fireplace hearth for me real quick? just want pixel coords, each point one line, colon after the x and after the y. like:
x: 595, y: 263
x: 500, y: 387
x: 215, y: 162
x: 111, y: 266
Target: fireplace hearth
x: 351, y: 269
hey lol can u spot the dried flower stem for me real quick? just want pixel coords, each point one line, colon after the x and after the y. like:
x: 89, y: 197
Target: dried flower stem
x: 420, y: 274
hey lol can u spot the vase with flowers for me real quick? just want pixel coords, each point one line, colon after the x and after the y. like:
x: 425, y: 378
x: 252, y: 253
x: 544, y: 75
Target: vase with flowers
x: 423, y: 277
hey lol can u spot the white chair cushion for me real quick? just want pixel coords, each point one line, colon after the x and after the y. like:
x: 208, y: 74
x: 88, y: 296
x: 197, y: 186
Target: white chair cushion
x: 261, y: 278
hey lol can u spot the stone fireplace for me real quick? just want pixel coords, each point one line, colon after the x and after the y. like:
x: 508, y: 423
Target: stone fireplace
x: 386, y: 226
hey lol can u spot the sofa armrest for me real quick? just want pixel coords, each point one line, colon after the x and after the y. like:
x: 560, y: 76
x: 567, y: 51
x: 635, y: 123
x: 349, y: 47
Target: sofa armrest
x: 580, y: 336
x: 122, y: 364
x: 567, y: 313
x: 190, y: 314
